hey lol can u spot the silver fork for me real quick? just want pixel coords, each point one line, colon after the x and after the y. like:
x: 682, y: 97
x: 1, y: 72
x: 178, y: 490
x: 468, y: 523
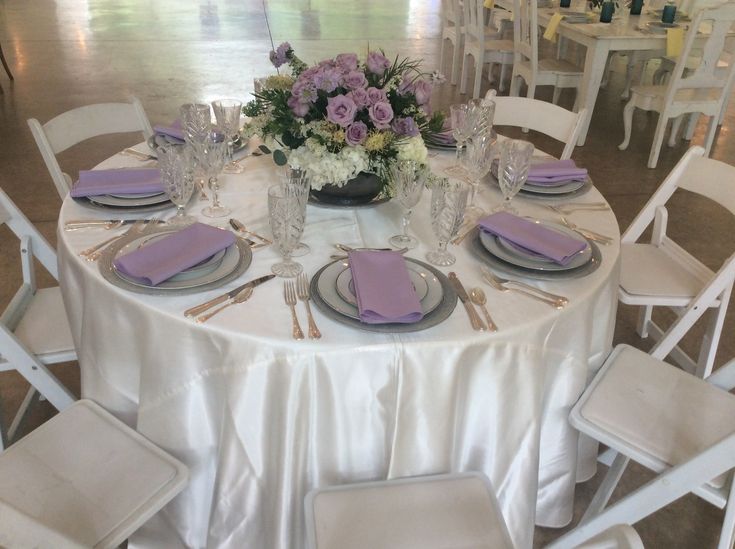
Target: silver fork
x: 587, y: 233
x: 289, y: 296
x: 504, y: 285
x: 93, y: 249
x: 566, y: 209
x: 141, y: 228
x: 302, y: 289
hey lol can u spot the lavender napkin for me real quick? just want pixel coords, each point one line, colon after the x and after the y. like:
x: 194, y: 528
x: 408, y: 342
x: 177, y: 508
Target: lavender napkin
x: 174, y: 130
x: 169, y: 256
x: 383, y: 288
x: 121, y: 181
x: 532, y: 236
x: 557, y: 171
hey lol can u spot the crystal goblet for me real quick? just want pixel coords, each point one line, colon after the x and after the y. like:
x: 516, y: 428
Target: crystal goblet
x: 227, y: 113
x: 476, y: 161
x: 448, y: 202
x: 175, y: 163
x: 515, y: 160
x: 196, y: 121
x: 286, y: 211
x: 214, y: 156
x: 408, y: 179
x: 293, y: 176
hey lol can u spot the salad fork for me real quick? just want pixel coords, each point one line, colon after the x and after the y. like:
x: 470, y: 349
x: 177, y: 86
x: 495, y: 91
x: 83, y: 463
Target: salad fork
x: 504, y: 285
x: 138, y: 228
x: 587, y: 233
x: 289, y: 296
x: 302, y: 289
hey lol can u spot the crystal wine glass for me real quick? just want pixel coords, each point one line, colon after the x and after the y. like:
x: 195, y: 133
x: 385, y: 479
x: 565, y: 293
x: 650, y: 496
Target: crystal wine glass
x: 293, y: 176
x: 461, y: 126
x: 196, y: 121
x: 408, y: 179
x: 515, y: 159
x: 448, y: 202
x: 481, y: 113
x: 477, y: 161
x: 214, y: 157
x: 175, y: 163
x: 286, y: 214
x: 227, y: 113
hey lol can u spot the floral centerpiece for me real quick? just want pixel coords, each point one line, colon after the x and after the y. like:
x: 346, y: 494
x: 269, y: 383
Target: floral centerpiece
x: 343, y: 117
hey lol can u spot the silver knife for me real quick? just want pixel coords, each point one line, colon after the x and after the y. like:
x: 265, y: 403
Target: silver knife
x: 238, y: 226
x: 475, y: 319
x: 194, y: 311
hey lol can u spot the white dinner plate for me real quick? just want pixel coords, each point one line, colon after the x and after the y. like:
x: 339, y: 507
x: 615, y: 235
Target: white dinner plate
x: 563, y: 187
x: 134, y: 195
x: 130, y: 201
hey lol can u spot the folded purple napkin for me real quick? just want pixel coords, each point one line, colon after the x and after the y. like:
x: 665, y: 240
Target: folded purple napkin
x: 177, y: 252
x: 174, y: 130
x: 383, y: 288
x: 557, y: 171
x: 121, y: 181
x: 533, y: 236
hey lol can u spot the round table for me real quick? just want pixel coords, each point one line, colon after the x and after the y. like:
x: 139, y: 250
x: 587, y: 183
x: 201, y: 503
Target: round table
x: 261, y: 419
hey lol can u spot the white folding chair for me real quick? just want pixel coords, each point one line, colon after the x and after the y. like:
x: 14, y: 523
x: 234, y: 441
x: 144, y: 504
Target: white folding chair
x: 528, y: 66
x: 83, y: 479
x: 540, y: 116
x: 452, y: 30
x: 675, y: 424
x: 34, y: 330
x: 485, y: 45
x: 77, y: 125
x: 702, y: 91
x: 662, y: 273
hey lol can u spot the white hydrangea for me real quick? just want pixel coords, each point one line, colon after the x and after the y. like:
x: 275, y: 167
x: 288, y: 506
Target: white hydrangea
x: 324, y: 167
x: 412, y: 148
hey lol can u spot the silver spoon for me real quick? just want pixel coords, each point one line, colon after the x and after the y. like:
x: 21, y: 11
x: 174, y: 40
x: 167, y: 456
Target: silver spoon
x: 477, y: 296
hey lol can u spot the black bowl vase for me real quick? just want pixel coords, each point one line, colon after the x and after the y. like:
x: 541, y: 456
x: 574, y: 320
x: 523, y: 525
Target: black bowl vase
x: 361, y: 189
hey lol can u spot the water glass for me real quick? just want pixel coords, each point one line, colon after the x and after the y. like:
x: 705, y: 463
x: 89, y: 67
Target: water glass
x: 227, y: 113
x: 476, y: 161
x: 408, y: 179
x: 299, y: 179
x: 286, y: 212
x: 515, y: 160
x: 448, y: 202
x: 196, y: 121
x: 213, y: 156
x: 461, y: 125
x: 482, y: 114
x: 177, y: 176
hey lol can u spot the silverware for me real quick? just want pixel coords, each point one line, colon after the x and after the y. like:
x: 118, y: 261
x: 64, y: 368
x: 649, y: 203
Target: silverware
x: 569, y: 207
x: 504, y: 285
x: 137, y: 154
x: 137, y: 229
x: 475, y: 320
x: 255, y: 152
x: 238, y: 226
x: 477, y: 296
x: 76, y: 224
x: 91, y: 251
x: 587, y: 233
x: 289, y: 296
x: 348, y: 249
x: 302, y: 290
x: 198, y: 309
x: 242, y: 297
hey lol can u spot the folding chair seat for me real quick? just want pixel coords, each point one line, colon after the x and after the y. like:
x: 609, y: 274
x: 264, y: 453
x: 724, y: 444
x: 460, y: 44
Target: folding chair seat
x: 677, y: 425
x: 77, y: 125
x: 34, y: 330
x: 547, y: 118
x: 83, y: 479
x: 662, y: 273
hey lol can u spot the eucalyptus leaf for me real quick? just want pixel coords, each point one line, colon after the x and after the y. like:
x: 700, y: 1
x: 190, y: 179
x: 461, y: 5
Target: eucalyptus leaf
x: 279, y: 157
x: 265, y: 149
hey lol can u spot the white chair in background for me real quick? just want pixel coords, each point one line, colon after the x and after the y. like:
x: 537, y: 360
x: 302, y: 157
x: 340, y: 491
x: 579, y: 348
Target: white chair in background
x: 452, y: 30
x: 484, y: 45
x: 661, y: 273
x: 528, y: 66
x: 540, y: 116
x: 83, y: 479
x: 77, y: 125
x: 700, y: 91
x: 677, y: 425
x: 34, y: 330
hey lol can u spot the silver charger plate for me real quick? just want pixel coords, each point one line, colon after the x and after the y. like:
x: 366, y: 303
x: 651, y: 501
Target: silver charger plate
x: 586, y: 186
x: 132, y: 201
x: 564, y: 187
x: 85, y: 203
x: 512, y: 254
x: 437, y: 316
x: 242, y: 253
x: 479, y: 251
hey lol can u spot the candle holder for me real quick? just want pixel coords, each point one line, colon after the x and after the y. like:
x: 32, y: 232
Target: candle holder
x: 668, y: 14
x: 636, y: 6
x: 606, y: 13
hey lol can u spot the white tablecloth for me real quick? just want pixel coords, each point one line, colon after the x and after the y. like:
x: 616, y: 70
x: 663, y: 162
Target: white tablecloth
x: 261, y: 419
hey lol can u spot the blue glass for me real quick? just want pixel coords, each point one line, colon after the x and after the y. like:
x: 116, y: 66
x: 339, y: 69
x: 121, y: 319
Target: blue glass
x: 669, y: 13
x: 608, y: 8
x: 565, y: 3
x: 636, y: 6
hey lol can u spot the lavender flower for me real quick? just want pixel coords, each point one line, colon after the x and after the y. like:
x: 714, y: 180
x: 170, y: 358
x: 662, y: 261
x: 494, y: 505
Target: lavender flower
x: 406, y: 86
x: 347, y: 61
x: 377, y: 95
x: 405, y: 126
x: 354, y: 80
x: 341, y: 110
x: 327, y: 79
x: 377, y: 63
x: 360, y: 97
x: 304, y: 90
x: 280, y: 55
x: 298, y: 107
x: 422, y: 90
x: 356, y: 133
x: 381, y: 113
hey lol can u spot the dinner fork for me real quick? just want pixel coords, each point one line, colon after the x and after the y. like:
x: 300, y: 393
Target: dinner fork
x: 142, y: 228
x: 504, y: 285
x: 566, y: 209
x: 289, y: 296
x: 302, y: 289
x: 89, y: 252
x: 587, y: 233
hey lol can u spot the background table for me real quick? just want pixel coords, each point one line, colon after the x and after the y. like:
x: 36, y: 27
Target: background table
x: 261, y: 419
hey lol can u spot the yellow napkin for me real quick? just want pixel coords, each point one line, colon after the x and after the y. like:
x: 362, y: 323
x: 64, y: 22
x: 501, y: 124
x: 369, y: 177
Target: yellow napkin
x: 489, y: 4
x: 674, y: 42
x: 550, y: 33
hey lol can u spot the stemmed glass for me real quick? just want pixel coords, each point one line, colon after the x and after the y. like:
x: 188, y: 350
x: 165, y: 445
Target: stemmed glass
x: 227, y: 112
x: 214, y: 155
x: 196, y: 123
x: 408, y: 180
x: 481, y: 113
x: 461, y: 125
x: 286, y: 211
x: 175, y: 163
x: 477, y: 161
x: 292, y: 176
x: 448, y: 201
x: 515, y: 159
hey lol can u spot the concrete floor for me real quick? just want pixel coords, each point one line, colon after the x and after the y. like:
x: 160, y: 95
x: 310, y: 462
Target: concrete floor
x: 67, y: 53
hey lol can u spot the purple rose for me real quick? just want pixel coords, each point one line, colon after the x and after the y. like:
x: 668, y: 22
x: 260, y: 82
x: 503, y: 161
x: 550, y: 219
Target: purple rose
x: 422, y: 89
x: 299, y: 108
x: 327, y: 79
x: 405, y: 126
x: 406, y: 86
x: 347, y: 61
x: 280, y: 56
x: 304, y: 90
x: 310, y: 72
x: 356, y: 133
x: 360, y: 97
x: 354, y: 80
x: 377, y: 95
x: 327, y: 64
x: 377, y: 63
x: 381, y: 114
x: 341, y: 110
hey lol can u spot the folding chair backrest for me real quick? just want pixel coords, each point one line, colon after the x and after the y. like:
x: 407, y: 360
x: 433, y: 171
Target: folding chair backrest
x: 540, y: 116
x: 525, y: 32
x: 474, y: 19
x: 451, y: 13
x: 80, y: 124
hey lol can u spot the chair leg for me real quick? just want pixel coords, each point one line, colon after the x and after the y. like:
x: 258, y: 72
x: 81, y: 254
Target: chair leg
x: 5, y: 63
x: 463, y: 76
x: 644, y: 318
x: 675, y: 129
x: 711, y: 339
x: 658, y: 139
x: 503, y: 72
x: 691, y: 126
x: 606, y: 489
x: 456, y: 52
x: 727, y: 536
x: 515, y: 84
x: 627, y: 124
x: 629, y: 70
x: 710, y: 138
x: 479, y: 64
x: 555, y: 97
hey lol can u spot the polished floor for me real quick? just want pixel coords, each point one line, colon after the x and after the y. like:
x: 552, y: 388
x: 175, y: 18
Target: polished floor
x: 67, y: 53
